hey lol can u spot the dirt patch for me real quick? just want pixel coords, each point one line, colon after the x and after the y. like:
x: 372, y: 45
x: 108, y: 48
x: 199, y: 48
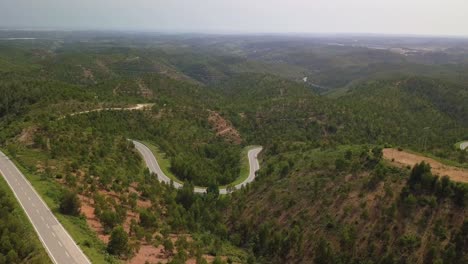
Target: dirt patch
x: 146, y: 252
x: 149, y: 254
x: 88, y: 74
x: 404, y: 159
x: 224, y: 128
x: 87, y: 209
x: 144, y: 90
x: 103, y: 66
x: 27, y: 135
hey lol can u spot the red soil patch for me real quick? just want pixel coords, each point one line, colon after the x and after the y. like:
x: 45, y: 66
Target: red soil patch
x: 87, y: 210
x: 224, y: 128
x: 403, y: 159
x: 149, y: 254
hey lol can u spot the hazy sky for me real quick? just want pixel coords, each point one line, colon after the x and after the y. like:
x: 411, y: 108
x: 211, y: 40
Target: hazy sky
x: 434, y: 17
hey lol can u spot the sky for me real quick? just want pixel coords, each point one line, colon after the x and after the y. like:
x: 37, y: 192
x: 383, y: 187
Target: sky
x: 421, y: 17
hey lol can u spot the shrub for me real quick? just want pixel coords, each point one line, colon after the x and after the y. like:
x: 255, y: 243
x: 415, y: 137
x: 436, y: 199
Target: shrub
x: 70, y: 204
x: 118, y: 242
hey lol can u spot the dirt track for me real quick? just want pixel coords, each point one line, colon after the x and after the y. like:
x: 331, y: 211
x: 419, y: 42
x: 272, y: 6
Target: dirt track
x: 403, y: 159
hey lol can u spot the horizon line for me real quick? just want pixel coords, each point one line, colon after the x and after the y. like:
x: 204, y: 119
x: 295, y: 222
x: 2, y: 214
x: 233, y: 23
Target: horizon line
x: 231, y: 32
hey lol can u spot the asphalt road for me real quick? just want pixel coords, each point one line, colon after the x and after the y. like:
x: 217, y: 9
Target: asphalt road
x: 153, y: 167
x: 464, y: 145
x: 58, y: 243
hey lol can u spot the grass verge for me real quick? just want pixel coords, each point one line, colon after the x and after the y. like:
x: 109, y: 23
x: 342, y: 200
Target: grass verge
x: 163, y: 161
x: 244, y: 167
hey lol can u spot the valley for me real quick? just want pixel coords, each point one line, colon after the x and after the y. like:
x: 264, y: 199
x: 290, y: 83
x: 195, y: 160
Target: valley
x: 154, y: 148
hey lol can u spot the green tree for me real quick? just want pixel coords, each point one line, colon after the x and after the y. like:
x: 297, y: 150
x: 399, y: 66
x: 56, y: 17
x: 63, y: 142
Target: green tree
x: 462, y: 156
x: 70, y: 204
x: 118, y: 242
x: 378, y: 154
x: 323, y: 253
x: 341, y: 164
x: 185, y: 195
x: 168, y: 246
x: 213, y: 189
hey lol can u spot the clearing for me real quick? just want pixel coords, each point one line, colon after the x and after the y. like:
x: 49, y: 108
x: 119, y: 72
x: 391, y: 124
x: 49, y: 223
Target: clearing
x: 404, y: 159
x: 224, y: 128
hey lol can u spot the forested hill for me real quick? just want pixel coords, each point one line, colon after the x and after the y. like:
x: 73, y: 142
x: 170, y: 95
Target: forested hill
x: 409, y: 110
x: 383, y: 111
x: 324, y: 193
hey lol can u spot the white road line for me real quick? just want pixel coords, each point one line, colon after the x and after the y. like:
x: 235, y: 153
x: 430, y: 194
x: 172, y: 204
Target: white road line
x: 68, y: 255
x: 31, y: 188
x: 53, y: 234
x: 60, y: 244
x: 55, y: 218
x: 49, y: 252
x: 42, y: 218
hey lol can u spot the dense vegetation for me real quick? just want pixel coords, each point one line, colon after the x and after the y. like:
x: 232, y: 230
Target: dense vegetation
x: 323, y: 195
x: 356, y: 209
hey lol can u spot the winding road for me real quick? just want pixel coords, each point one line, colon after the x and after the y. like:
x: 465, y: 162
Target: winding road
x: 138, y: 107
x: 56, y: 240
x: 61, y: 248
x: 154, y: 167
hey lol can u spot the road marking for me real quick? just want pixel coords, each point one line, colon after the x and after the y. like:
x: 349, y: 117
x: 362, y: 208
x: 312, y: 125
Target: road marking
x: 68, y: 255
x: 49, y: 252
x: 29, y: 198
x: 53, y: 234
x: 60, y: 244
x: 37, y: 211
x: 42, y: 218
x: 47, y: 225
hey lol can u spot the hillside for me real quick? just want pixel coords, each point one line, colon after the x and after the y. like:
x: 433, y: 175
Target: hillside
x: 422, y: 113
x: 345, y: 205
x: 324, y: 193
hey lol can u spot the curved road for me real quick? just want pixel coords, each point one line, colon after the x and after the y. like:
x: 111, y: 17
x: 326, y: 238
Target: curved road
x: 58, y: 243
x: 153, y: 167
x: 61, y: 248
x: 464, y: 145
